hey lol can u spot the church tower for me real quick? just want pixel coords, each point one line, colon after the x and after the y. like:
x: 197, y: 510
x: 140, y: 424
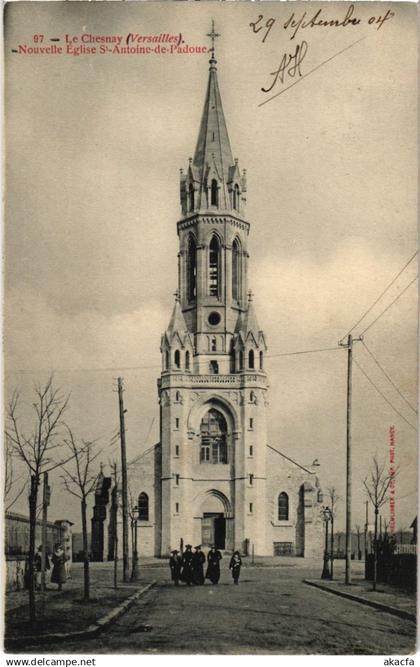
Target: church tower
x: 213, y: 386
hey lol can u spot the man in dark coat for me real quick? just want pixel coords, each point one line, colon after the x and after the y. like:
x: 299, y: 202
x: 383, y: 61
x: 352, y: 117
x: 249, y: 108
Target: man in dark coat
x: 213, y: 568
x: 175, y: 563
x: 198, y: 562
x: 235, y: 566
x: 187, y: 565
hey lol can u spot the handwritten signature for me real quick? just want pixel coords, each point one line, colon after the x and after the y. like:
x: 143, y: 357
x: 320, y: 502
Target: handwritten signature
x: 290, y: 65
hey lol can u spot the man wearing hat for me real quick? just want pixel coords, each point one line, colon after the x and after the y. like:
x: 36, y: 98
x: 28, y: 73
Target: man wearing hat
x: 175, y: 563
x: 187, y: 565
x: 198, y: 561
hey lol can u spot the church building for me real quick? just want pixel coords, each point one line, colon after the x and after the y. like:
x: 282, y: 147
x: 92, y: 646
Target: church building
x: 214, y: 478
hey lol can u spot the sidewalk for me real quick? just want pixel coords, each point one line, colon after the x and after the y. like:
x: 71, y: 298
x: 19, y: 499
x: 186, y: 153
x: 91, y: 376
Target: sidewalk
x: 65, y: 610
x: 386, y: 598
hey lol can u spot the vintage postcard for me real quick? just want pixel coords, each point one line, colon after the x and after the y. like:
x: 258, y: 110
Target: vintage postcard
x: 210, y: 349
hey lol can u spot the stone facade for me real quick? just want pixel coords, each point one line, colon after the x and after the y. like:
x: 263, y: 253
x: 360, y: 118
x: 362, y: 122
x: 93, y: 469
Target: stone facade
x: 213, y: 479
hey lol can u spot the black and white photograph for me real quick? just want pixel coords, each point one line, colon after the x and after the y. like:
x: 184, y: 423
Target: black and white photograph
x: 210, y: 329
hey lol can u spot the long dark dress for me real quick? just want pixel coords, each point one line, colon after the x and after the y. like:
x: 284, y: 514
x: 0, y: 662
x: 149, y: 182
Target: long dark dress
x: 175, y: 563
x: 187, y: 567
x: 213, y: 567
x: 198, y: 573
x: 58, y: 575
x: 235, y: 566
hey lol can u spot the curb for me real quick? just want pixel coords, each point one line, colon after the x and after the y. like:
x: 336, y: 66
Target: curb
x: 402, y: 613
x: 89, y: 632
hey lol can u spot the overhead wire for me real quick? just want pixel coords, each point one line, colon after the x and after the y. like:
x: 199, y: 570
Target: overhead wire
x: 381, y: 294
x: 383, y: 395
x: 135, y: 368
x: 388, y: 377
x: 389, y: 306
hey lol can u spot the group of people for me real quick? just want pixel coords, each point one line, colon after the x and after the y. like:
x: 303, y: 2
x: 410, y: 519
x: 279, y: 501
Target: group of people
x: 59, y: 574
x: 189, y: 567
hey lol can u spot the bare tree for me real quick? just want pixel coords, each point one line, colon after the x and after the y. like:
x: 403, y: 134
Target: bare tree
x: 377, y: 484
x: 36, y: 448
x: 81, y: 482
x: 11, y: 492
x: 334, y: 500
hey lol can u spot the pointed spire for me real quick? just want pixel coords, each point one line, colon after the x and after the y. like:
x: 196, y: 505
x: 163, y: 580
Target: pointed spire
x: 213, y: 148
x: 248, y: 321
x: 177, y: 321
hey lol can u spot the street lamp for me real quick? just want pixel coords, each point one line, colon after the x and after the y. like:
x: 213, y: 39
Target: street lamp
x: 326, y: 517
x: 134, y: 525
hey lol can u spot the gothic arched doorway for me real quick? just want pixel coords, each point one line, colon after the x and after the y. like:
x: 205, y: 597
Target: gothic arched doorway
x: 216, y: 521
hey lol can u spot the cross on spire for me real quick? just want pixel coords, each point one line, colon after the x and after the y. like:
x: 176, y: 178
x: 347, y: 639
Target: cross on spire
x: 212, y: 36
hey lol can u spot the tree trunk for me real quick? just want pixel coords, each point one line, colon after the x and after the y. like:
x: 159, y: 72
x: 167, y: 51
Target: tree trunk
x: 116, y: 548
x: 33, y: 498
x: 86, y: 578
x: 375, y: 550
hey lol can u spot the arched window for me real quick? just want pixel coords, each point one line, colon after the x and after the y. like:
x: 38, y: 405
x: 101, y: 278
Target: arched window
x: 214, y: 196
x: 191, y: 197
x: 191, y: 269
x: 214, y: 267
x: 166, y: 360
x: 261, y: 361
x: 143, y: 505
x: 251, y: 359
x: 213, y: 431
x: 236, y: 197
x: 177, y: 396
x: 187, y: 360
x: 214, y: 367
x: 177, y: 359
x: 236, y: 271
x: 283, y: 507
x: 241, y: 361
x: 214, y: 344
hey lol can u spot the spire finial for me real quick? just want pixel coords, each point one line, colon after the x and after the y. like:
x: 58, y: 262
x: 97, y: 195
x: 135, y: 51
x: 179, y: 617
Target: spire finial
x: 176, y: 295
x: 212, y: 36
x: 250, y: 295
x: 102, y: 468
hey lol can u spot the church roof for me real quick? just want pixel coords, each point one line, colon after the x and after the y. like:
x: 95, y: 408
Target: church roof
x: 213, y: 145
x: 291, y: 460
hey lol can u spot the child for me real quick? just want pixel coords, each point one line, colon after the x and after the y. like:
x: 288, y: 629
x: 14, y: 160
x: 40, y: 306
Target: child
x: 235, y: 566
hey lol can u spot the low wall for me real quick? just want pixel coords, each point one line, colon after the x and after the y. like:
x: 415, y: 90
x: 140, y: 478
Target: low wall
x: 395, y: 569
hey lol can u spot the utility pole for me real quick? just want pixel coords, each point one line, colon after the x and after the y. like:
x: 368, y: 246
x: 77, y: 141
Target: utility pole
x: 45, y: 503
x: 349, y: 346
x: 366, y: 529
x: 114, y: 470
x: 126, y: 576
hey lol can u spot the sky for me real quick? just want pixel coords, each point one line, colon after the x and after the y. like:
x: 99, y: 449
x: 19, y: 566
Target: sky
x: 94, y: 144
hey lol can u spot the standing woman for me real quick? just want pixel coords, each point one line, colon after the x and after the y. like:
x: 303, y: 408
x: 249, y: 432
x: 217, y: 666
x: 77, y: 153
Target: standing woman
x: 213, y: 568
x: 197, y: 564
x: 235, y: 566
x: 58, y: 575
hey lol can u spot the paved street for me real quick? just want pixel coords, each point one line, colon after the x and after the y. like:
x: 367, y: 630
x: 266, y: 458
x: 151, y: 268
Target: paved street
x: 271, y: 611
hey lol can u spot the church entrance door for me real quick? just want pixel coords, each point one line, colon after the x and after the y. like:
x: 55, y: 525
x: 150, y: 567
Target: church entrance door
x: 213, y: 530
